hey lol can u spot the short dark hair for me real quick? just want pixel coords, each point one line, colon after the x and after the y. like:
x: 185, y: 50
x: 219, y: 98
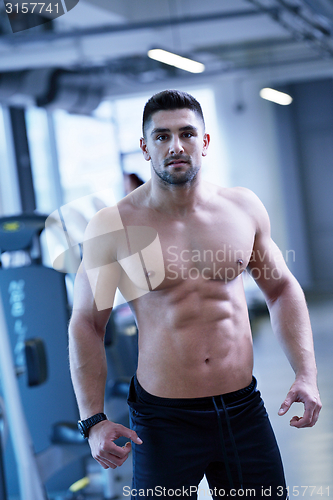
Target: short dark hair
x: 169, y: 100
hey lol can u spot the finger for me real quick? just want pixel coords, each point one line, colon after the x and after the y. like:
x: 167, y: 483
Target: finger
x: 112, y: 449
x: 111, y: 460
x: 102, y: 464
x: 107, y: 460
x: 305, y: 420
x: 119, y: 461
x: 310, y: 416
x: 105, y: 463
x: 290, y: 399
x: 298, y: 422
x: 294, y: 421
x: 316, y: 412
x: 129, y: 433
x: 108, y: 465
x: 127, y: 446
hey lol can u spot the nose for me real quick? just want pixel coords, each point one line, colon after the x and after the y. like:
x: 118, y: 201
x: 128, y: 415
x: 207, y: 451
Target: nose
x: 176, y: 146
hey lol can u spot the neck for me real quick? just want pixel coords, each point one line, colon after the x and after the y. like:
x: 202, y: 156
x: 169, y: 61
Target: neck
x: 175, y: 199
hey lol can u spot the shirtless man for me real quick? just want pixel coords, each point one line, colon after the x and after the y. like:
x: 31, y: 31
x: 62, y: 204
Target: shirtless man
x: 194, y: 404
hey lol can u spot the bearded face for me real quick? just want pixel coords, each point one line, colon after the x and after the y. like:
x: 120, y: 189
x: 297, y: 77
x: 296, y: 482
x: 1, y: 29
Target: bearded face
x: 175, y: 142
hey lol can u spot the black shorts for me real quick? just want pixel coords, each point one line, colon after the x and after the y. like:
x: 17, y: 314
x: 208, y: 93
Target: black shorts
x: 228, y: 438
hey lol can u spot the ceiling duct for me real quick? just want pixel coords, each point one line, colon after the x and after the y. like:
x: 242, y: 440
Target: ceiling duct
x: 24, y: 87
x: 72, y: 91
x: 321, y: 7
x: 302, y: 21
x: 53, y: 89
x: 135, y: 26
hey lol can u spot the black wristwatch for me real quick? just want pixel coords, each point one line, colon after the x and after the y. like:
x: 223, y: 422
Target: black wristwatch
x: 85, y: 425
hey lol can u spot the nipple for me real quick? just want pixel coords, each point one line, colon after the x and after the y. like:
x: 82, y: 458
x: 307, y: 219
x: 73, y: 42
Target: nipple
x: 240, y: 262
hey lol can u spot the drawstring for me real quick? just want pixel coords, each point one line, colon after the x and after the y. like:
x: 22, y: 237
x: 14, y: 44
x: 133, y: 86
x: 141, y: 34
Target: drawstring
x: 224, y: 451
x: 233, y: 443
x: 239, y: 468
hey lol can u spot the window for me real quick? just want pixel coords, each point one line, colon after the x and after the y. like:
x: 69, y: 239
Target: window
x: 41, y: 159
x: 88, y: 156
x: 3, y: 159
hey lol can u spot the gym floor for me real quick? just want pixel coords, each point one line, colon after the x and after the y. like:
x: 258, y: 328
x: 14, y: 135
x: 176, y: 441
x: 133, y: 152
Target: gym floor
x: 307, y: 453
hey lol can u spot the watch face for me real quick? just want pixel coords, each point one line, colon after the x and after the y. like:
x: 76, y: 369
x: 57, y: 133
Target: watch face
x: 82, y: 428
x: 85, y: 425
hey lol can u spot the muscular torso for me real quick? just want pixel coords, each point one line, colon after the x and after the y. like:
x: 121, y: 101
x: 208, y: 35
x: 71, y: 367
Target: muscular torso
x: 187, y: 294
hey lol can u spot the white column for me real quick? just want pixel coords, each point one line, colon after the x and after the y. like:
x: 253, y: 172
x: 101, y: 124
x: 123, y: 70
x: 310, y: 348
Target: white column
x: 54, y: 172
x: 31, y: 487
x: 9, y: 183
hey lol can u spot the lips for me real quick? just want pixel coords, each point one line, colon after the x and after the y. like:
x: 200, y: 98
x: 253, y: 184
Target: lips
x: 177, y: 161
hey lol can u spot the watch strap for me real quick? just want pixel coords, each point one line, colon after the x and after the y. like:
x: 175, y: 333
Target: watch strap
x: 85, y: 425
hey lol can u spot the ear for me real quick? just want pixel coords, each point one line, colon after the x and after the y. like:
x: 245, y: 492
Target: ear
x: 144, y: 148
x: 206, y: 141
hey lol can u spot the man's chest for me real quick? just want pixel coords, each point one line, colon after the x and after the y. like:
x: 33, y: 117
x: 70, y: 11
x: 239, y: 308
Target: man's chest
x: 217, y: 249
x: 160, y: 253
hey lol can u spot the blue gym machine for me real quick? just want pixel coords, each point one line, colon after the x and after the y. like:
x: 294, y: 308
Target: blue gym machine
x: 33, y: 311
x: 33, y: 319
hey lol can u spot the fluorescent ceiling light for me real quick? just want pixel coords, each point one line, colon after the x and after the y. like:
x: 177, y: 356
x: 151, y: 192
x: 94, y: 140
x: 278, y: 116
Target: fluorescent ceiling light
x: 177, y: 61
x: 276, y: 96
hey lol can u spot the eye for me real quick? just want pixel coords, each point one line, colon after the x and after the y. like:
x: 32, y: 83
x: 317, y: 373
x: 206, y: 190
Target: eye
x: 161, y: 138
x: 187, y: 135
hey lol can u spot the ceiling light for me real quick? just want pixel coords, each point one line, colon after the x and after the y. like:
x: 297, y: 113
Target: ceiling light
x: 177, y: 61
x: 276, y: 96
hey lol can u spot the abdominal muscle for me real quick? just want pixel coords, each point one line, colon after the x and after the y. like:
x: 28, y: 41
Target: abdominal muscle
x: 194, y: 340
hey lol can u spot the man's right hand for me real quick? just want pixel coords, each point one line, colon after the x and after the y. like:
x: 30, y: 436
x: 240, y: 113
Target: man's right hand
x: 104, y: 450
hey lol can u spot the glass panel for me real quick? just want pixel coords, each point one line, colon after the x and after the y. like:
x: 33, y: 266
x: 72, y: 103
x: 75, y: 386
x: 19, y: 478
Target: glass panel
x: 88, y: 155
x: 128, y: 116
x: 41, y: 161
x: 214, y: 165
x: 10, y: 202
x: 3, y: 158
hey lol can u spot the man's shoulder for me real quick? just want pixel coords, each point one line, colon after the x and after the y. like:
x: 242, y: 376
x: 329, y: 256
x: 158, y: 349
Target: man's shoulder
x: 243, y: 197
x: 247, y: 201
x: 108, y: 224
x: 237, y: 194
x: 105, y: 221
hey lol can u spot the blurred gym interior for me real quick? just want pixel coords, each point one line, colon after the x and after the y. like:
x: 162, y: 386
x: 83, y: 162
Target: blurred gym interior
x: 74, y: 78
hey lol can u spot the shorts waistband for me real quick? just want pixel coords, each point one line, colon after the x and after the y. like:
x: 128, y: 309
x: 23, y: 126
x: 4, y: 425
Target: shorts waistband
x: 143, y: 396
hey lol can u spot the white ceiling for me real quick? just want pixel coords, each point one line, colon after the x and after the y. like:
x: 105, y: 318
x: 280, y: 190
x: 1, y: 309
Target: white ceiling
x: 226, y: 35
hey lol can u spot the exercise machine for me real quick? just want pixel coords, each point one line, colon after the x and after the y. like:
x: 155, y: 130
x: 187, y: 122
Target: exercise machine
x: 33, y: 311
x: 36, y: 388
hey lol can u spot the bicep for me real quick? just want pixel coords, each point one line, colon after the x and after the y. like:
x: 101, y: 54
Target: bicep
x: 94, y: 292
x: 268, y: 268
x: 267, y: 265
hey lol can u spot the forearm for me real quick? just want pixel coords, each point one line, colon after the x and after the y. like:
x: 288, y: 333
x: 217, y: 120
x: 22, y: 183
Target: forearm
x: 88, y: 367
x: 291, y: 323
